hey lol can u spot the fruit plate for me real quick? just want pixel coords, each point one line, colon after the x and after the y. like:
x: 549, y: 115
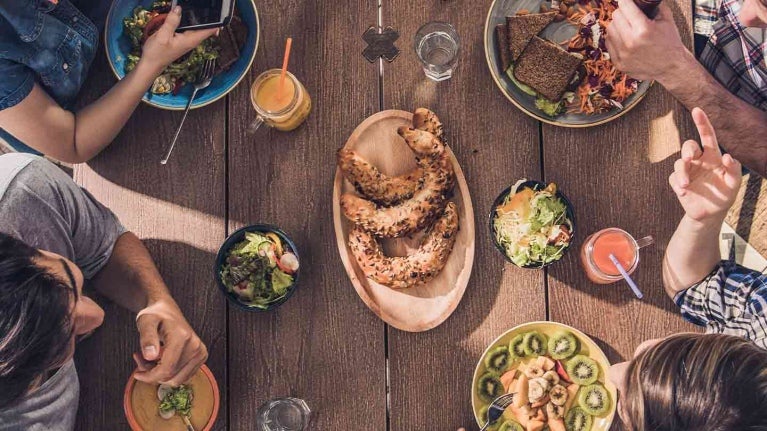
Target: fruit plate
x: 556, y: 32
x: 587, y: 348
x: 422, y: 307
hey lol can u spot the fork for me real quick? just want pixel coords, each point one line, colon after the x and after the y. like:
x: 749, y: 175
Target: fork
x: 496, y: 409
x: 202, y: 82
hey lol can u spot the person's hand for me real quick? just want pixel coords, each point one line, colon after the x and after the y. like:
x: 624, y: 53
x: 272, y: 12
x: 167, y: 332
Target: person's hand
x: 643, y: 48
x: 171, y: 352
x: 165, y: 46
x: 705, y: 182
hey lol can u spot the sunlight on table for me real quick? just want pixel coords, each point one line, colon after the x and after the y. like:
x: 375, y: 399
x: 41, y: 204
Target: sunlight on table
x: 663, y: 138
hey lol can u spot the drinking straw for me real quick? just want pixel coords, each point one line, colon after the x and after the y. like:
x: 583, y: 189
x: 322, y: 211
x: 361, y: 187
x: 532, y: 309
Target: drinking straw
x: 284, y: 67
x: 626, y: 277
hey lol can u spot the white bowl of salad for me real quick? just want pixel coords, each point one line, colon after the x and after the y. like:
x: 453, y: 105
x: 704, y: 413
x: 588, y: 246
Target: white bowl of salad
x: 532, y: 224
x: 257, y: 267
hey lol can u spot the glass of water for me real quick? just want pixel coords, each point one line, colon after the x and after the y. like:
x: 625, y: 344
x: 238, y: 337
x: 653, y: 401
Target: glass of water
x: 437, y: 45
x: 283, y: 414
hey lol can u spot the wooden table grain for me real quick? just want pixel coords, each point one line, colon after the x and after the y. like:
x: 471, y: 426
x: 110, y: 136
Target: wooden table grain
x: 324, y: 345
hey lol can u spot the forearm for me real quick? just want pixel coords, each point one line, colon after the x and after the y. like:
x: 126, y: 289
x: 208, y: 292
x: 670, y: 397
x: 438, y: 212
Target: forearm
x: 740, y: 127
x: 97, y: 124
x: 692, y: 253
x: 130, y: 278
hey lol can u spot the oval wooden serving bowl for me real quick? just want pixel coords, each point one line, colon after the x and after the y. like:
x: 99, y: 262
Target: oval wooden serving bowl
x: 422, y: 307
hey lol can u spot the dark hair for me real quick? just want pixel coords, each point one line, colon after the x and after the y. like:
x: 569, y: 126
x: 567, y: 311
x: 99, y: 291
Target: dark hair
x: 35, y: 319
x: 710, y: 382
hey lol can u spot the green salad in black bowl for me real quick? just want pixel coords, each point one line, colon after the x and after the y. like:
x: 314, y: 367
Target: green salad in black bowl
x: 532, y: 224
x: 257, y: 267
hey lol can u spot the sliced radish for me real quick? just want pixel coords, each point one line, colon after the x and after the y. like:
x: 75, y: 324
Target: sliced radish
x: 289, y: 261
x: 167, y: 414
x: 162, y: 391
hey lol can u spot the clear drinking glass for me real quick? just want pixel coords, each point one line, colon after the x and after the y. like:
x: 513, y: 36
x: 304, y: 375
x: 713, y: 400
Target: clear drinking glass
x: 597, y: 248
x: 283, y: 414
x: 284, y: 112
x: 437, y: 45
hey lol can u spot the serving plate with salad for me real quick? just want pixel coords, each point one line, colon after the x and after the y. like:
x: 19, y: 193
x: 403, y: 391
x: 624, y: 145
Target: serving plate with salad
x: 130, y: 22
x: 532, y: 224
x: 257, y: 268
x: 557, y: 373
x: 599, y: 92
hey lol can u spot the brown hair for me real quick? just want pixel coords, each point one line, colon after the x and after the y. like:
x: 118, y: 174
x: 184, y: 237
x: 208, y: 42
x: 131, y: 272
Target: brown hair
x: 698, y: 382
x: 35, y: 319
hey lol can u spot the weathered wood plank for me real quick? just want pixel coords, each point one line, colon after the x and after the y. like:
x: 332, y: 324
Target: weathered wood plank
x: 616, y: 175
x: 496, y: 144
x: 323, y: 345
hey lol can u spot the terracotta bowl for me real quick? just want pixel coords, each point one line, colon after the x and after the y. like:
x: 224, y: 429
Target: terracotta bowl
x: 128, y: 407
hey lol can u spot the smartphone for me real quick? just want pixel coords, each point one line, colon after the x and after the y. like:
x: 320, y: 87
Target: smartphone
x: 202, y: 14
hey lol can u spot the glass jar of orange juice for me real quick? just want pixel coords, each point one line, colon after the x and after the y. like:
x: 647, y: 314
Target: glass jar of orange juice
x: 596, y: 251
x: 283, y: 106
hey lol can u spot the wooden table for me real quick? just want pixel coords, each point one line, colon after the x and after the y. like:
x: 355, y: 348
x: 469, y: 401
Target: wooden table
x: 324, y: 345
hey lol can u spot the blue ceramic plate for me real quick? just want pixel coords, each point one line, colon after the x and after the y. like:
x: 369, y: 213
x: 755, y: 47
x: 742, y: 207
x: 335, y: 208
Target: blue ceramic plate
x: 118, y: 46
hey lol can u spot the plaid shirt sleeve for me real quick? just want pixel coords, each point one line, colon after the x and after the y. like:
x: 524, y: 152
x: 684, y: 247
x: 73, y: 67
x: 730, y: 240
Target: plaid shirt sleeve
x: 731, y: 300
x: 704, y: 16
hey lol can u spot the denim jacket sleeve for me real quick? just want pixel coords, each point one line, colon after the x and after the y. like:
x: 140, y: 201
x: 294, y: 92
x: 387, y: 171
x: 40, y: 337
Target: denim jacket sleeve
x: 50, y: 43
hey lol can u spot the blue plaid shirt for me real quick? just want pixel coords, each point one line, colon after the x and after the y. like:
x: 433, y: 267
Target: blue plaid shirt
x: 731, y: 300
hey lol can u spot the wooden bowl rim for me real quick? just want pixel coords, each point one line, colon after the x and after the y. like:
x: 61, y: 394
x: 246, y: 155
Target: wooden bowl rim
x: 128, y: 407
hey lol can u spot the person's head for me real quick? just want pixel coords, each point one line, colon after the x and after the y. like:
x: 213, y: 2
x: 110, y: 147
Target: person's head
x: 753, y: 13
x: 42, y: 310
x: 709, y: 382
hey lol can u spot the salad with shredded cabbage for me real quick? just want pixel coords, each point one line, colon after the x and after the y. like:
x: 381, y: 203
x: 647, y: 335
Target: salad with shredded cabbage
x: 145, y: 22
x: 259, y: 270
x: 532, y: 226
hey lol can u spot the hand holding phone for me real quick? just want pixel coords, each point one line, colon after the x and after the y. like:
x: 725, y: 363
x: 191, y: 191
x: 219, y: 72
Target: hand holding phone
x: 203, y: 14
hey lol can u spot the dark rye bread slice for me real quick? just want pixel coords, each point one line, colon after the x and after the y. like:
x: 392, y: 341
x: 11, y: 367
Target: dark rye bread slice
x: 546, y: 68
x: 522, y: 28
x: 504, y: 53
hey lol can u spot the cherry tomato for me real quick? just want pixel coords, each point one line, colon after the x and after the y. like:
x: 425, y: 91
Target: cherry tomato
x: 153, y: 25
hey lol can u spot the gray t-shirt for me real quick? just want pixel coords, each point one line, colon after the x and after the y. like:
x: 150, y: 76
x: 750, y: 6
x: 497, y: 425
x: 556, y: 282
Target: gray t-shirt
x: 42, y: 206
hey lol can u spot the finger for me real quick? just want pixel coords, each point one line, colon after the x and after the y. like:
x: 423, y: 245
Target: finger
x: 187, y: 370
x: 664, y: 13
x: 148, y: 326
x: 682, y: 171
x: 191, y: 39
x: 733, y: 171
x: 672, y: 181
x: 141, y: 363
x: 167, y: 366
x: 634, y: 16
x: 706, y: 131
x: 168, y: 28
x: 691, y: 150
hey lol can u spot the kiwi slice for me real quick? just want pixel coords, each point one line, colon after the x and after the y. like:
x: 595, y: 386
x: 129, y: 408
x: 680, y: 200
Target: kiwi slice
x: 563, y: 345
x: 582, y: 370
x: 498, y: 359
x: 483, y: 419
x: 534, y: 343
x: 517, y: 347
x: 594, y: 400
x: 489, y: 387
x: 511, y: 426
x: 578, y: 420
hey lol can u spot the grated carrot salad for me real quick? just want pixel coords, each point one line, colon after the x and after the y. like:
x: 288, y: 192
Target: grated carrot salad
x: 604, y: 87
